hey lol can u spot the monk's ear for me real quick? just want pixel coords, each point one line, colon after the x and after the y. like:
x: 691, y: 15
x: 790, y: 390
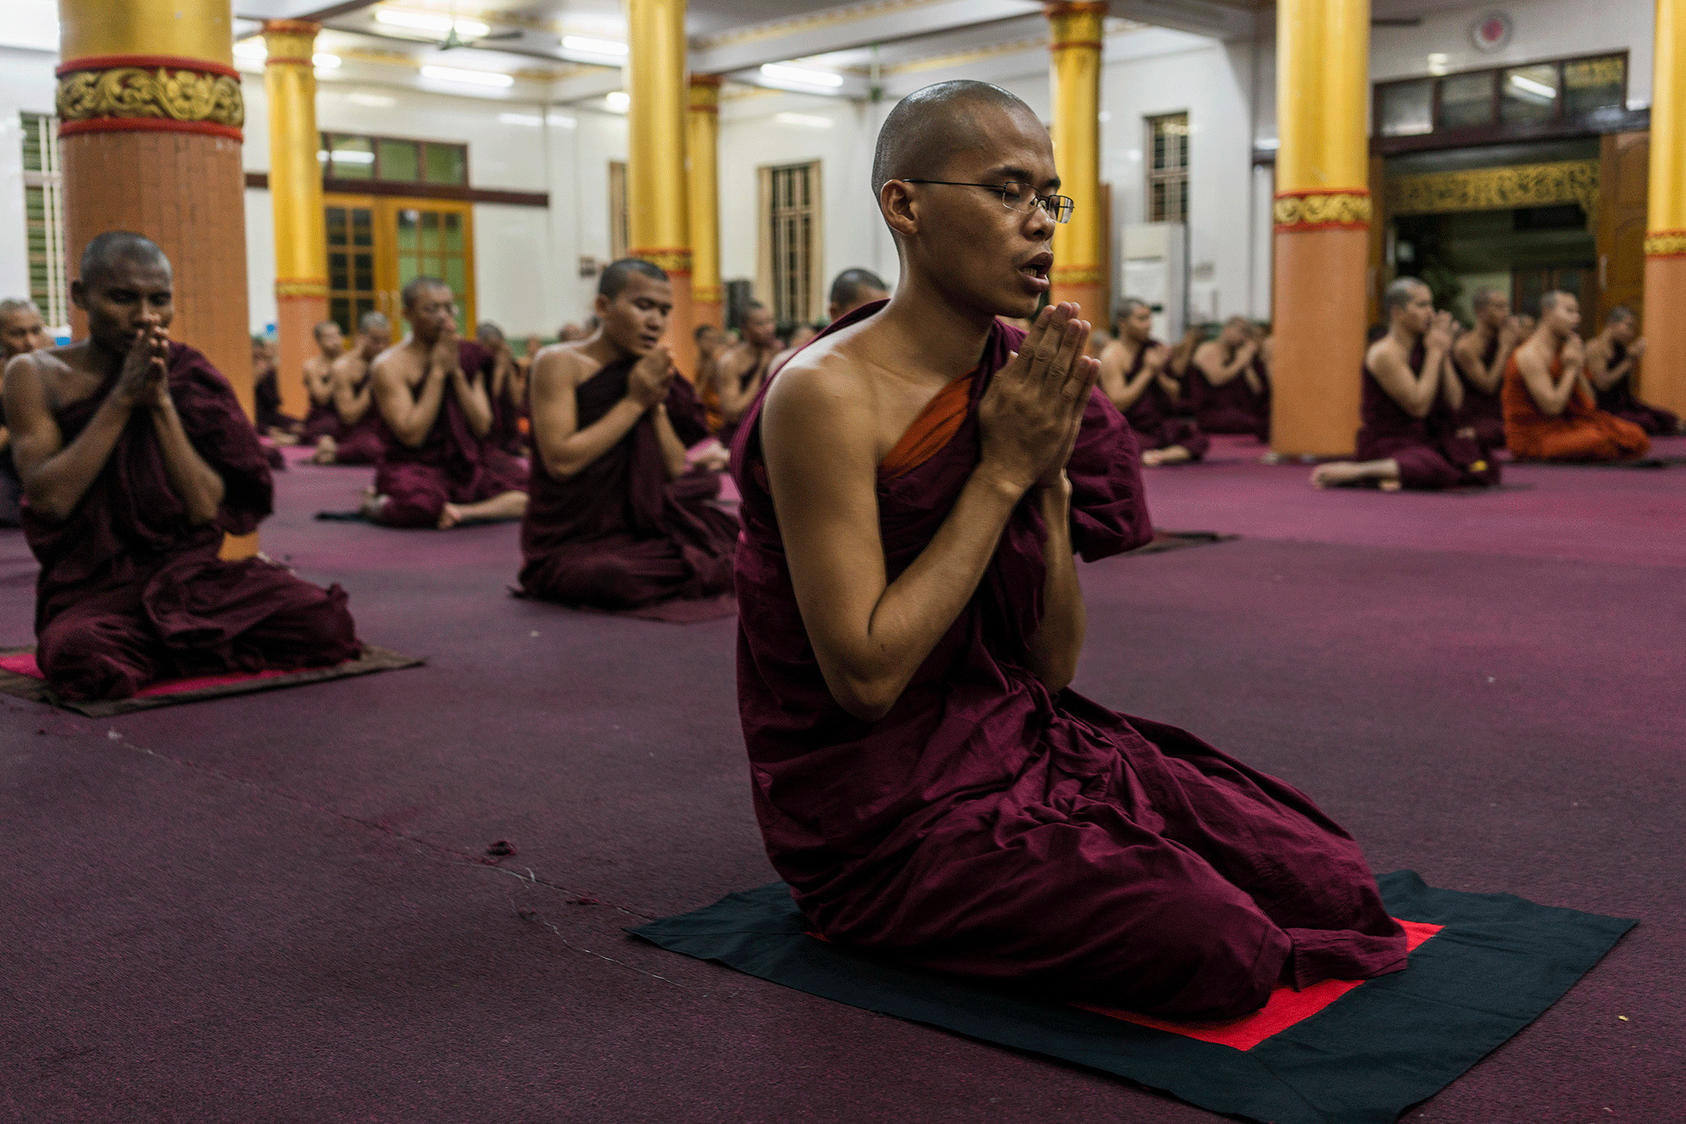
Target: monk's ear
x: 895, y: 202
x: 600, y: 306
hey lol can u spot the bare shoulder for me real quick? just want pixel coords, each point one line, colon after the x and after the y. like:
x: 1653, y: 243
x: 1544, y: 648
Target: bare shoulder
x: 1384, y: 353
x: 561, y: 364
x: 821, y: 388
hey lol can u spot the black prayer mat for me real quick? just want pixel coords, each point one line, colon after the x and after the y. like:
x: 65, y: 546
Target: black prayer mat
x: 19, y: 676
x: 1483, y: 967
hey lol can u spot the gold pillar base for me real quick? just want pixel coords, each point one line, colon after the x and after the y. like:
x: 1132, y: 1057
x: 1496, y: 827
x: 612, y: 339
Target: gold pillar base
x: 1662, y: 376
x: 1319, y: 348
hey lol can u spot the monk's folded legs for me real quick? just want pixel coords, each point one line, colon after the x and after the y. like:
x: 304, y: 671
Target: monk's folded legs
x: 101, y: 648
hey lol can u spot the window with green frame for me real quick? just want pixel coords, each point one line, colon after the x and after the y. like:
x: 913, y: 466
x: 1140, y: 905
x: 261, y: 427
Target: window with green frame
x: 393, y: 160
x: 43, y: 195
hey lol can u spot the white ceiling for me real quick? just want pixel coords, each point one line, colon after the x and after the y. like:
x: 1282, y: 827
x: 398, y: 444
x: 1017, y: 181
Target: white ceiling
x: 868, y: 43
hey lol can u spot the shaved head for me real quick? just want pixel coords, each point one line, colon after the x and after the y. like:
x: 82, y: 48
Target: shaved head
x: 115, y: 246
x: 929, y: 126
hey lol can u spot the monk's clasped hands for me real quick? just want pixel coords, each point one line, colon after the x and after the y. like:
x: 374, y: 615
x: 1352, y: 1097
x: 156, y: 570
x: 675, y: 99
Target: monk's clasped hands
x: 144, y: 378
x: 1034, y: 406
x: 651, y: 377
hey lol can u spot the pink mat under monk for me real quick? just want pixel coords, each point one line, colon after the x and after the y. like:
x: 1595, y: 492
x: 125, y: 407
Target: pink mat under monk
x: 23, y: 663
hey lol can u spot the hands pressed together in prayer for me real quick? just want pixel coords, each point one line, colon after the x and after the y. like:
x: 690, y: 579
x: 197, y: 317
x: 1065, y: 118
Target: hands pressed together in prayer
x: 1440, y: 333
x: 647, y: 385
x: 444, y: 357
x: 144, y: 379
x: 1034, y: 406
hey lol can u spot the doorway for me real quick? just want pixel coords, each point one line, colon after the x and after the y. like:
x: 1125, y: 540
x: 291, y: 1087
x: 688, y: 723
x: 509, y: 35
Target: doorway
x: 377, y: 244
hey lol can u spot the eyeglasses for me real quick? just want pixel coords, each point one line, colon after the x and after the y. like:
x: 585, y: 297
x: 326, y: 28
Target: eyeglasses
x: 1020, y: 197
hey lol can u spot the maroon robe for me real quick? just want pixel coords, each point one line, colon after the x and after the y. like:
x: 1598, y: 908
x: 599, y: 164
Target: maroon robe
x: 130, y: 591
x: 1153, y: 416
x: 1619, y: 399
x: 619, y: 534
x: 1481, y: 411
x: 507, y: 413
x: 988, y: 827
x: 266, y: 402
x: 1428, y: 450
x: 451, y: 466
x: 1233, y: 407
x: 322, y: 421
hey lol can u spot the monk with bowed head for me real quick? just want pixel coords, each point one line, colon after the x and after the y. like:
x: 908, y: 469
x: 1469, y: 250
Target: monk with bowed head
x: 1413, y: 433
x: 915, y: 484
x: 1134, y: 377
x: 321, y: 420
x: 1228, y: 383
x: 618, y: 519
x: 1550, y: 413
x: 136, y: 460
x: 433, y: 392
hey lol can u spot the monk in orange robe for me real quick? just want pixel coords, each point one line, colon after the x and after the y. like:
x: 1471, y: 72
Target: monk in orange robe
x: 1550, y: 414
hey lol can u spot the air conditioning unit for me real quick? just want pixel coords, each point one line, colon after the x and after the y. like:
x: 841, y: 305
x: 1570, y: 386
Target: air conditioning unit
x: 1153, y: 267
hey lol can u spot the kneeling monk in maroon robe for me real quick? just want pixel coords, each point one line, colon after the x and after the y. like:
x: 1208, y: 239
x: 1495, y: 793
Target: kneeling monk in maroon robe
x: 362, y: 436
x: 1414, y: 433
x: 136, y: 459
x: 910, y: 620
x: 1612, y: 364
x: 432, y: 389
x: 1133, y: 377
x: 617, y: 519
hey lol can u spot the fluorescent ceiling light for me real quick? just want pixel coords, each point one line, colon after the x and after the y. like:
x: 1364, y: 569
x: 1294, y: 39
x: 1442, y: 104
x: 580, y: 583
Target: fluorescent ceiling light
x: 468, y: 77
x: 587, y: 45
x: 801, y: 75
x: 435, y: 22
x: 1529, y: 86
x: 619, y: 101
x: 805, y: 120
x: 346, y: 157
x: 529, y: 119
x: 325, y: 61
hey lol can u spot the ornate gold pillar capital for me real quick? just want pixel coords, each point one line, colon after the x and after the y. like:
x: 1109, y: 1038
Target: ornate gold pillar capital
x: 290, y: 42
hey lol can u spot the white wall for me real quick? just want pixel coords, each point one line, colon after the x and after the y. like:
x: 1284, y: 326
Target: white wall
x: 26, y: 86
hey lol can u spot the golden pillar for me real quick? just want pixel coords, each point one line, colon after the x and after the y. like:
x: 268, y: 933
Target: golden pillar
x: 1322, y: 217
x: 702, y: 145
x: 1080, y: 245
x: 150, y: 115
x: 295, y: 193
x: 655, y: 166
x: 1663, y: 374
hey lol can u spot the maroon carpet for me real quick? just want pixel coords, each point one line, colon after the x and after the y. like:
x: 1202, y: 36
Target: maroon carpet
x: 280, y: 906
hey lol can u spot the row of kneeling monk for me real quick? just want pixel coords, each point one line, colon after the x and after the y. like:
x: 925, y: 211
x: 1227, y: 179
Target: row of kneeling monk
x: 916, y: 485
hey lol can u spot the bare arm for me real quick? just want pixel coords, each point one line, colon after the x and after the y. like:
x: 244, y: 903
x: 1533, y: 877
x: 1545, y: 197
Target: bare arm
x: 472, y: 397
x: 350, y: 402
x: 1600, y: 372
x: 1451, y: 389
x: 1209, y: 358
x: 319, y: 381
x: 1123, y: 390
x: 1551, y: 393
x: 56, y: 476
x: 567, y: 449
x: 870, y: 635
x: 728, y: 374
x: 410, y: 417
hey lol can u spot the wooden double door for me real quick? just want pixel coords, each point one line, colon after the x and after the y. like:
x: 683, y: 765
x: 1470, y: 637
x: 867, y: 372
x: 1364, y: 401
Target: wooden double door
x: 377, y: 244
